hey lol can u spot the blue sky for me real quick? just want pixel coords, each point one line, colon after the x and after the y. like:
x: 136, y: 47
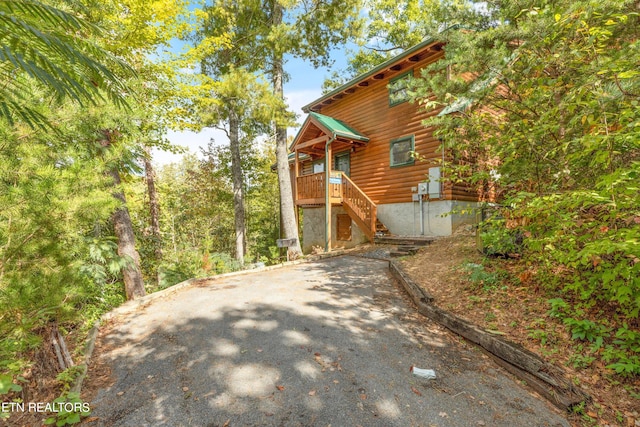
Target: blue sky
x: 304, y: 86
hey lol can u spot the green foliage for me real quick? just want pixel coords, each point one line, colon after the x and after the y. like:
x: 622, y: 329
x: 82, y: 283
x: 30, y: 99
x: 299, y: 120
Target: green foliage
x: 394, y: 26
x: 197, y: 214
x: 51, y: 202
x: 481, y: 278
x: 546, y: 122
x: 68, y: 417
x: 497, y: 239
x: 586, y: 330
x: 581, y: 361
x: 620, y: 350
x: 624, y: 352
x: 7, y: 385
x: 68, y: 376
x: 56, y: 49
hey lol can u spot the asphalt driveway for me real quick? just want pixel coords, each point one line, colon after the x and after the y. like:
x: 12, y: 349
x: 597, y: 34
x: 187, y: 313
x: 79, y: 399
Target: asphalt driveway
x: 315, y: 344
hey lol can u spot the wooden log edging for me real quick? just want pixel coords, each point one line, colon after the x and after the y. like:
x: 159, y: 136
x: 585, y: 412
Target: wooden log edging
x: 548, y: 380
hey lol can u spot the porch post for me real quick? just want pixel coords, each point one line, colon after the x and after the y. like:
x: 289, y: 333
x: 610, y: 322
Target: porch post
x: 296, y: 169
x: 327, y: 198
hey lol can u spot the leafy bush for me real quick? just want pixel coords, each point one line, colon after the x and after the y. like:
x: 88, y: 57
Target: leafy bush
x: 483, y: 279
x: 497, y: 239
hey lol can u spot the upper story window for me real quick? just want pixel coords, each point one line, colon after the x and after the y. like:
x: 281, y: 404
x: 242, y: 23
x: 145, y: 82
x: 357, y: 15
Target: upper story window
x: 398, y: 88
x: 402, y: 151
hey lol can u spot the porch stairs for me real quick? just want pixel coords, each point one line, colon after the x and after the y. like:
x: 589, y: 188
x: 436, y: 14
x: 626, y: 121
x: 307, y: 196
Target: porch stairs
x: 359, y: 207
x: 404, y: 245
x: 364, y: 213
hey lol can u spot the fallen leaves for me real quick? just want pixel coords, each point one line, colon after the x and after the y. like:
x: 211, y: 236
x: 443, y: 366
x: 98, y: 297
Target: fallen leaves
x: 280, y: 387
x: 331, y: 366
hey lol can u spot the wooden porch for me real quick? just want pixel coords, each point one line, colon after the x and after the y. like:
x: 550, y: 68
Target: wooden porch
x: 317, y: 141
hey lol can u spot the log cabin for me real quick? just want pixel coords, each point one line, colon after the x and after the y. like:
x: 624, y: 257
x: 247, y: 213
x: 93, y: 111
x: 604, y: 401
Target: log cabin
x: 363, y: 163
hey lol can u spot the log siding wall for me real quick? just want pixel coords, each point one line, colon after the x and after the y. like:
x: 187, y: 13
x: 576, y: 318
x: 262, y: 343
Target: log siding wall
x: 368, y: 111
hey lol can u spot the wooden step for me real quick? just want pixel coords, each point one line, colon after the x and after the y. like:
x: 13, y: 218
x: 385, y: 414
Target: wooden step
x: 404, y: 250
x: 381, y: 229
x: 410, y: 249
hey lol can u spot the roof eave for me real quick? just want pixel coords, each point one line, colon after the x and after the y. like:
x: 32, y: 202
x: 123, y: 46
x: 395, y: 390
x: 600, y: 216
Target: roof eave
x: 351, y: 136
x: 376, y: 70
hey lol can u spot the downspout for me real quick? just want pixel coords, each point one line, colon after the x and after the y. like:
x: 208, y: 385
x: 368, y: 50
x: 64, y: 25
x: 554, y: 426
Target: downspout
x: 327, y: 207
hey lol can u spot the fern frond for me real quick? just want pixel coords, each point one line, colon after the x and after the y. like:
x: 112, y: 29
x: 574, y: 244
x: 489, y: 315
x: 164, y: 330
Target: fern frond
x: 55, y: 49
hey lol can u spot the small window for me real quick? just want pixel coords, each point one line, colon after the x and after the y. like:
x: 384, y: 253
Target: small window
x: 398, y: 88
x: 402, y: 151
x: 318, y: 166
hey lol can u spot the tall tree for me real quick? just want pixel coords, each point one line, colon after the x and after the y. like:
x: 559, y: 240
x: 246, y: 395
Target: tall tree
x: 394, y: 26
x: 154, y: 203
x: 235, y: 99
x: 132, y: 273
x: 306, y: 30
x: 275, y: 30
x: 243, y: 107
x: 138, y: 29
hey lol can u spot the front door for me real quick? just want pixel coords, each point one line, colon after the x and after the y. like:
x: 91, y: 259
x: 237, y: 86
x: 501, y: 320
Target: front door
x: 342, y: 162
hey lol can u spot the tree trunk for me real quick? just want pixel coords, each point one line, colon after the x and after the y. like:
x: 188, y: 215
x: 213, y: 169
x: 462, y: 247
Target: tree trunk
x: 133, y: 282
x: 238, y: 185
x: 154, y: 206
x: 287, y: 207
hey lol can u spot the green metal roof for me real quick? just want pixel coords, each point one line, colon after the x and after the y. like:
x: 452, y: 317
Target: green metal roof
x: 338, y: 128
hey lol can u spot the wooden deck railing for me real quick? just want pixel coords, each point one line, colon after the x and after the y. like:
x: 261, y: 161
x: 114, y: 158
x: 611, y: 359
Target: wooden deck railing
x: 310, y: 189
x: 359, y: 207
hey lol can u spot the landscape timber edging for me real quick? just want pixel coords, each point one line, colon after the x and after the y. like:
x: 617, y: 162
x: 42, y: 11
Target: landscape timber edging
x: 548, y: 380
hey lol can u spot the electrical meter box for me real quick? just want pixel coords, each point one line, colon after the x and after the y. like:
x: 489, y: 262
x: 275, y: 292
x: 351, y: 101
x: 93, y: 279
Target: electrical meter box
x: 434, y: 183
x: 423, y: 188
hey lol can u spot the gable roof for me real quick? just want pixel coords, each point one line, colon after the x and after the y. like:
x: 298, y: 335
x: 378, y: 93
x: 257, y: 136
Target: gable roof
x: 411, y: 54
x: 318, y: 129
x: 338, y: 128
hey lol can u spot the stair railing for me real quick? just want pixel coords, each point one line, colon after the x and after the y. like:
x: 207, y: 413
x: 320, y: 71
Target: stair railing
x: 359, y: 207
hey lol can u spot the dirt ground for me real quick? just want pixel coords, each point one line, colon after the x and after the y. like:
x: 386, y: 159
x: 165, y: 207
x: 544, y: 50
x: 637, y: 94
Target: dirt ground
x: 445, y: 270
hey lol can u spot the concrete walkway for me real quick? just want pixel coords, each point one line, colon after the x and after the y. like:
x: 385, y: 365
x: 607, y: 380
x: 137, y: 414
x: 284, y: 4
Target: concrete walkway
x: 315, y: 344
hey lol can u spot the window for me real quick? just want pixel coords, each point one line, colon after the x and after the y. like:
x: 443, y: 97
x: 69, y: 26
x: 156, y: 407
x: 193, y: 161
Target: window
x: 402, y: 151
x: 398, y: 88
x: 318, y: 166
